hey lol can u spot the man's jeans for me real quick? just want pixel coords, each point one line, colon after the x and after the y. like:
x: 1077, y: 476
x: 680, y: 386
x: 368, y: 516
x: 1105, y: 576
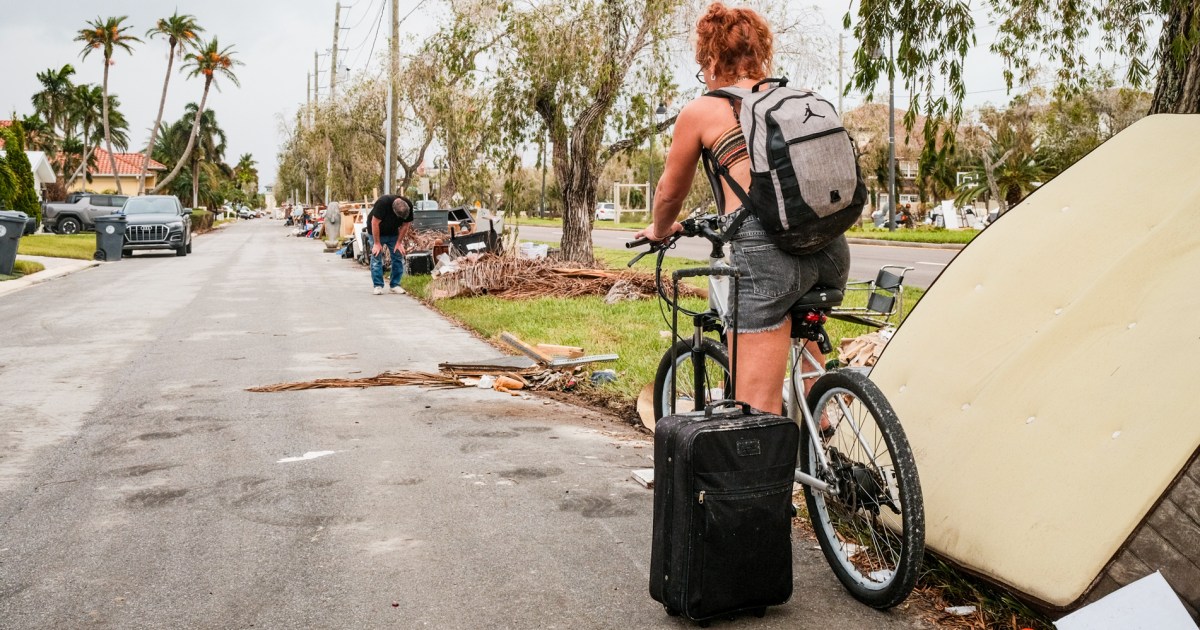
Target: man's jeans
x: 389, y: 243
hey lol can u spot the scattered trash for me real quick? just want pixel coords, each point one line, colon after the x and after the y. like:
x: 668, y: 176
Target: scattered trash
x: 486, y: 381
x: 306, y: 456
x: 961, y: 611
x: 542, y: 359
x: 601, y: 377
x: 533, y: 251
x: 644, y: 476
x: 864, y: 350
x: 507, y: 383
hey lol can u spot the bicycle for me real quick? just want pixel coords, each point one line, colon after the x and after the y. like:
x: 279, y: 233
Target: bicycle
x: 860, y: 480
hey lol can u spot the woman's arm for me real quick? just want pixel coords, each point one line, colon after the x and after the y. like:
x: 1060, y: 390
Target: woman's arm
x: 678, y: 173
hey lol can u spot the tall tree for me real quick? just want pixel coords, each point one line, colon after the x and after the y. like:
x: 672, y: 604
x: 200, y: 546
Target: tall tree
x: 569, y: 64
x: 107, y: 35
x: 208, y: 60
x: 25, y: 198
x: 180, y: 32
x: 933, y: 38
x: 53, y: 101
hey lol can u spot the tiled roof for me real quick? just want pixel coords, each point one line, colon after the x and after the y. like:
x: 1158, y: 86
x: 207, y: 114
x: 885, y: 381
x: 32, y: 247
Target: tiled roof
x: 127, y: 164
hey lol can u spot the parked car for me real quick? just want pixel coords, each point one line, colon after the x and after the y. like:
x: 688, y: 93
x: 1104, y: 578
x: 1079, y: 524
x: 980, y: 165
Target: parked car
x: 157, y: 222
x: 245, y: 213
x: 606, y: 212
x: 426, y: 204
x: 79, y: 215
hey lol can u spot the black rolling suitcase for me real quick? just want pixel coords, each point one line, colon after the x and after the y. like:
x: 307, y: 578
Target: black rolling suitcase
x: 722, y: 536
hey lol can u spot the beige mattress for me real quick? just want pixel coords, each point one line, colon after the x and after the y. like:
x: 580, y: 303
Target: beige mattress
x: 1048, y: 380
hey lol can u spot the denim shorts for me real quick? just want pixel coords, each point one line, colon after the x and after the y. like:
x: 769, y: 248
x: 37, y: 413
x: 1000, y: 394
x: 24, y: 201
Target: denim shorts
x: 772, y: 280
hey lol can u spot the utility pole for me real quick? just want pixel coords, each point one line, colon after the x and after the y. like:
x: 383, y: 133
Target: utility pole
x: 545, y: 139
x: 841, y: 87
x: 333, y: 53
x: 891, y: 139
x: 393, y: 94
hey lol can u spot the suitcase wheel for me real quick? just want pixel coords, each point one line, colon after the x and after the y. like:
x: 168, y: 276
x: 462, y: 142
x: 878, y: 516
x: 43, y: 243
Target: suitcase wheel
x: 705, y: 623
x: 760, y: 613
x: 671, y: 612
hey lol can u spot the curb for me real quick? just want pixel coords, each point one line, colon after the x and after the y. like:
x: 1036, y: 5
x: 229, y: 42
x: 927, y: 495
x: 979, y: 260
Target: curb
x: 12, y: 286
x: 883, y: 243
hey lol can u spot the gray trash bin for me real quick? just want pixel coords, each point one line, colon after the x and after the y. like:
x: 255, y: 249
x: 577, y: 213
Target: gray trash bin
x: 110, y: 237
x: 12, y: 226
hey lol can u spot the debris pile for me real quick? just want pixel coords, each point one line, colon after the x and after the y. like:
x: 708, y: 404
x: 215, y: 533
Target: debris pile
x: 542, y: 368
x: 516, y: 278
x: 386, y: 379
x: 864, y: 350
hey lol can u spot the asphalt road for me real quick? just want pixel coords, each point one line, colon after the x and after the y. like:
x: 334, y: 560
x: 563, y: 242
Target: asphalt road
x: 865, y: 260
x: 141, y: 486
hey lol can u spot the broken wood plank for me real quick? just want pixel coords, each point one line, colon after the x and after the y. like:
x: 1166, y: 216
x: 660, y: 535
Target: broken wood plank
x: 569, y: 352
x: 524, y: 348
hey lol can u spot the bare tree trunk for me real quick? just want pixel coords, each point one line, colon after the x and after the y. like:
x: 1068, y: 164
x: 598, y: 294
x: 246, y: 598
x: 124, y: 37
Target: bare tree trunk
x: 162, y: 103
x: 989, y: 170
x: 112, y: 158
x: 1178, y: 90
x: 187, y: 152
x: 195, y: 183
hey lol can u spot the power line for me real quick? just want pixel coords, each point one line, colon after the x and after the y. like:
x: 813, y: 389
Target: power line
x: 378, y: 19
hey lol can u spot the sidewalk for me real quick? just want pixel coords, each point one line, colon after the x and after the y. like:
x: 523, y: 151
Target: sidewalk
x: 54, y: 268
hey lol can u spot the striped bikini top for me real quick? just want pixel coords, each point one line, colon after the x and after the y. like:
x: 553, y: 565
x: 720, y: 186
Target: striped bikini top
x: 730, y: 148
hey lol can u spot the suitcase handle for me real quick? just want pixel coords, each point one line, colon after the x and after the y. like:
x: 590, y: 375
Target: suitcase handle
x: 708, y: 411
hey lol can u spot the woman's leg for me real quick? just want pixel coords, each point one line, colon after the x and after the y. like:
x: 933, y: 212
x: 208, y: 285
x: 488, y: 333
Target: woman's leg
x: 761, y: 365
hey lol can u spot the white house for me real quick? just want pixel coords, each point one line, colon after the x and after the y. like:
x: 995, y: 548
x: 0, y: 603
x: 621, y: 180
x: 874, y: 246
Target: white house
x: 43, y: 173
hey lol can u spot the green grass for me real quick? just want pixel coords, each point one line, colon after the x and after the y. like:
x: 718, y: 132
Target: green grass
x: 922, y: 234
x: 628, y: 329
x: 22, y: 268
x: 79, y: 246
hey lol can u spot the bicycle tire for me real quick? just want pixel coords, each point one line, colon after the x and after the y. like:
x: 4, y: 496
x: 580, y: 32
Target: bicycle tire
x: 712, y: 350
x: 862, y: 519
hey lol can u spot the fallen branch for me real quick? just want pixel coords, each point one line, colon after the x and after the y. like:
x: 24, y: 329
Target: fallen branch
x: 386, y: 379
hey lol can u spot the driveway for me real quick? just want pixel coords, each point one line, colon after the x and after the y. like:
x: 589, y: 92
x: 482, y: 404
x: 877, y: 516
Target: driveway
x: 141, y: 486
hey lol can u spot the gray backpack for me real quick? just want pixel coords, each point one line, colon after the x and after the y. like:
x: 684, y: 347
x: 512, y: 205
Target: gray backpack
x: 805, y: 184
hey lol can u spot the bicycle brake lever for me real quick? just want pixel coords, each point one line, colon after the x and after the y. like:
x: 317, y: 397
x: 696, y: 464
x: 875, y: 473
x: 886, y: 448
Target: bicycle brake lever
x: 638, y: 257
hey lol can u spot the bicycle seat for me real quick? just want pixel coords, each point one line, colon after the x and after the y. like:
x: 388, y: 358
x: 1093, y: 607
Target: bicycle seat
x: 819, y: 298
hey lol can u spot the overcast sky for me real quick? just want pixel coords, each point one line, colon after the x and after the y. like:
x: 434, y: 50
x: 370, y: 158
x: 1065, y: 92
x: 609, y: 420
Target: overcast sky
x: 275, y: 39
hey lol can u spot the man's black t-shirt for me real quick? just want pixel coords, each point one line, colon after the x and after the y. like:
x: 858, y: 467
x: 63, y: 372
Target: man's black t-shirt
x: 389, y: 223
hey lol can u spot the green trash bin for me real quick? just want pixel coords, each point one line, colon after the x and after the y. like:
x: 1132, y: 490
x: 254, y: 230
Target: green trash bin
x: 110, y: 237
x: 12, y: 226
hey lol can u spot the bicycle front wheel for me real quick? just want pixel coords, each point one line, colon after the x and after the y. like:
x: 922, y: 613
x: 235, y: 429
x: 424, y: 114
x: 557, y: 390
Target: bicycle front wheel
x: 871, y: 522
x: 700, y: 378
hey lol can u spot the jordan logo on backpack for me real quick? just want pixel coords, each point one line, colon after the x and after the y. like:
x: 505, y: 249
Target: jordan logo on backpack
x: 808, y: 113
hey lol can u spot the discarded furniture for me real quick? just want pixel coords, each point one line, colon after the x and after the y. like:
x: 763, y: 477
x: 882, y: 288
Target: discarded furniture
x: 1058, y: 449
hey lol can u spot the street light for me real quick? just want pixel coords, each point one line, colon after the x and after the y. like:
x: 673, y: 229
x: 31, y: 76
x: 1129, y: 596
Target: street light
x: 659, y: 114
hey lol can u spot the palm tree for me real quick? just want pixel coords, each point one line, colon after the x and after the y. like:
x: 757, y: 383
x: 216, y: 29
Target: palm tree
x: 246, y: 175
x: 209, y: 60
x: 53, y: 102
x: 87, y: 111
x: 107, y: 34
x: 180, y: 31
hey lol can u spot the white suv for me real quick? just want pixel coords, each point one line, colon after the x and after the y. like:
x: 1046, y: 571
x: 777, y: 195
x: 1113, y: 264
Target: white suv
x: 606, y: 212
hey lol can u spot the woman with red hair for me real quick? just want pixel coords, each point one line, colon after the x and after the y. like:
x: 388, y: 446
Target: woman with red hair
x: 734, y: 47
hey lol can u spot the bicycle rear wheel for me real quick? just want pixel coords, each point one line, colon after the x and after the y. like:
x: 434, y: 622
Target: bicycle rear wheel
x: 709, y: 368
x: 871, y: 525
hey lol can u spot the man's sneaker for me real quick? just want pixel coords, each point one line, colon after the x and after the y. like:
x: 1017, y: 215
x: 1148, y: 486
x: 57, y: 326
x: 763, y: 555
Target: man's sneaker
x: 398, y: 291
x: 378, y: 291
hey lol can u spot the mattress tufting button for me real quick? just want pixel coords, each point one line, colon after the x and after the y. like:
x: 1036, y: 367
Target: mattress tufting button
x: 1030, y: 419
x: 1116, y: 434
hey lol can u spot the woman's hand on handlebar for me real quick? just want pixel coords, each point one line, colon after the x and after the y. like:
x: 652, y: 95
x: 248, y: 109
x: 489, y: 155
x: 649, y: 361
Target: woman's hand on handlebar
x: 649, y: 234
